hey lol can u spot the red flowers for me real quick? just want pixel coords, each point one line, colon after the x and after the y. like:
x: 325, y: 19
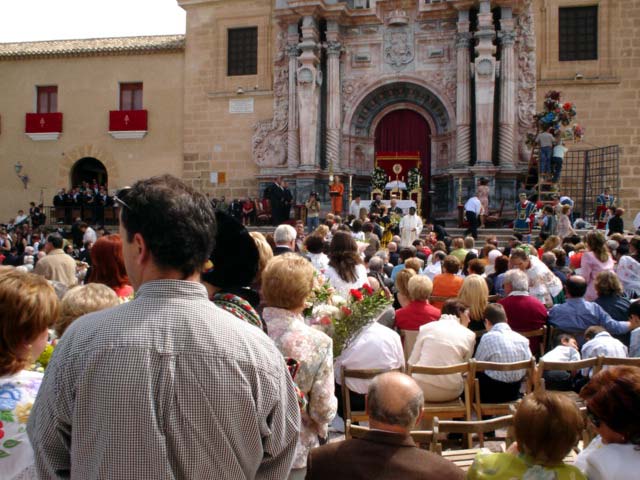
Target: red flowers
x: 357, y: 294
x: 346, y: 310
x: 1, y: 431
x: 367, y: 289
x: 326, y: 320
x: 567, y: 106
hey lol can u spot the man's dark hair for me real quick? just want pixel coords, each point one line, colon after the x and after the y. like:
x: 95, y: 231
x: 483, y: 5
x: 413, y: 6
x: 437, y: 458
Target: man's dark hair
x: 55, y: 240
x: 495, y: 313
x: 634, y: 309
x: 176, y: 223
x: 83, y: 225
x: 592, y: 331
x: 562, y: 337
x: 576, y: 286
x: 314, y: 243
x: 407, y: 252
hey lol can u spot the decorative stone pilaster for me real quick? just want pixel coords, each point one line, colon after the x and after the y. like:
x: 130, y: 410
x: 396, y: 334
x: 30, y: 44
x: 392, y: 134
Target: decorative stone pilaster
x: 506, y: 135
x: 485, y: 77
x: 293, y: 147
x: 309, y: 79
x: 463, y: 93
x: 334, y: 48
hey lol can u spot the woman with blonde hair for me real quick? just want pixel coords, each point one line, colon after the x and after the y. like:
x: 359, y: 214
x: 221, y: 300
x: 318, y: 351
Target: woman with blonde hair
x: 265, y: 253
x: 28, y: 307
x: 81, y: 300
x: 402, y: 286
x: 475, y: 293
x: 554, y: 241
x: 595, y: 260
x: 286, y: 283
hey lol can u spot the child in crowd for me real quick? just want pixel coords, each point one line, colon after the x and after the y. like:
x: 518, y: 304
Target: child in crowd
x: 566, y: 350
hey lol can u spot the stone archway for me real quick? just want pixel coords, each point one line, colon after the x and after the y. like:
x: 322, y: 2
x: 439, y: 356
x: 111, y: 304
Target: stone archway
x: 87, y: 151
x: 89, y: 169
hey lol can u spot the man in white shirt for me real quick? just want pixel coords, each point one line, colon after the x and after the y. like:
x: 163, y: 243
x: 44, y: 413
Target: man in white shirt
x: 557, y: 158
x: 435, y: 264
x: 472, y: 210
x: 502, y: 345
x: 600, y: 342
x: 410, y: 228
x: 566, y: 350
x: 354, y: 208
x: 376, y: 346
x: 89, y: 235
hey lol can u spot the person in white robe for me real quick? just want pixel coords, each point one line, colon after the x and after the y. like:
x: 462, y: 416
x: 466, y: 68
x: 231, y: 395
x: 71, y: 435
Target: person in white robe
x: 410, y: 228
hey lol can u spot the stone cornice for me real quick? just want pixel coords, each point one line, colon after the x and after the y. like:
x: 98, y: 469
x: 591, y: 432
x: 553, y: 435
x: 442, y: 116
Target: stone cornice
x: 93, y: 47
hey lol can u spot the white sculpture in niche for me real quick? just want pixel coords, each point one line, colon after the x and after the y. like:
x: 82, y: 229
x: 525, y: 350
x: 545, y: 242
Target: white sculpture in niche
x: 398, y: 46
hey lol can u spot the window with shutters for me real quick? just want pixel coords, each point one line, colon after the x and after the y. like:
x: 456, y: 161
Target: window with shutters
x: 131, y: 96
x: 578, y: 33
x: 242, y: 51
x: 47, y: 99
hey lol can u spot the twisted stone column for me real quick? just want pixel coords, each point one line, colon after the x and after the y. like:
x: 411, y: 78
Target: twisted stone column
x: 506, y: 135
x: 293, y: 147
x: 333, y: 95
x: 309, y: 79
x: 463, y: 100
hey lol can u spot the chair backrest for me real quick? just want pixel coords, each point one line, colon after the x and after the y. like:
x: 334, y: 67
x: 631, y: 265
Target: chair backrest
x: 360, y: 374
x: 408, y: 341
x: 528, y: 365
x: 420, y: 437
x: 595, y: 363
x: 439, y: 370
x: 618, y: 361
x: 479, y: 427
x: 438, y: 299
x: 540, y: 332
x: 494, y: 298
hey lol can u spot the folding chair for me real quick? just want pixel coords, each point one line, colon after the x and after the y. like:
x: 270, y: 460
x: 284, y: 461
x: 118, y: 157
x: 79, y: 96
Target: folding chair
x: 540, y: 332
x: 503, y: 408
x: 594, y: 363
x: 457, y: 408
x: 362, y: 374
x: 420, y: 437
x: 617, y: 362
x: 479, y: 427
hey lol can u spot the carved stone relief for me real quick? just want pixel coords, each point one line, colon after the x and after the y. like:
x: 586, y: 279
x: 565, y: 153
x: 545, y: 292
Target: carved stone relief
x: 526, y: 93
x: 270, y: 136
x: 398, y: 46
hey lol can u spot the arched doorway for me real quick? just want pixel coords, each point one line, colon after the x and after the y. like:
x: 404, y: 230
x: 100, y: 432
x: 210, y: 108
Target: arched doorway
x: 88, y: 169
x: 405, y: 130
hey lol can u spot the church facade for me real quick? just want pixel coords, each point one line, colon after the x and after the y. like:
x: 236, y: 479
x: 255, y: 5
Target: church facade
x: 308, y: 89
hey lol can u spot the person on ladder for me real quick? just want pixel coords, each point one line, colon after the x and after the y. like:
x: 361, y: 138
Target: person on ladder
x: 545, y: 140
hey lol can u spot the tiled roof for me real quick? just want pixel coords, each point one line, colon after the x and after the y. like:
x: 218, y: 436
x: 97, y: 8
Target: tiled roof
x: 93, y: 46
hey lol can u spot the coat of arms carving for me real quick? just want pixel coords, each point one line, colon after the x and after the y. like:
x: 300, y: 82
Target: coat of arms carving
x: 398, y: 46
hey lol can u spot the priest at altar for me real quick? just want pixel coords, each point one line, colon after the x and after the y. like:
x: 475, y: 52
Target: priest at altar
x: 410, y: 228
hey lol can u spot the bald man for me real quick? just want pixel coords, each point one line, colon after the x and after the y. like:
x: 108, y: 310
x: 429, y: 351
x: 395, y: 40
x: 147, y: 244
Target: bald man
x: 394, y: 406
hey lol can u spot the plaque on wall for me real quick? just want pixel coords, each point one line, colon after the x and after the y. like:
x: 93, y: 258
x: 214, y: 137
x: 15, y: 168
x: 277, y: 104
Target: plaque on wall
x: 241, y: 105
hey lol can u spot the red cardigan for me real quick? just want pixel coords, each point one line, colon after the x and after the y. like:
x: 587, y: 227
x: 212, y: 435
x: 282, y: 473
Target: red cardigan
x: 416, y: 314
x: 525, y: 313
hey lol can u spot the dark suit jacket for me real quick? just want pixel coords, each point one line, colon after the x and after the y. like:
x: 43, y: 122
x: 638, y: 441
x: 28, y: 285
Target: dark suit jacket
x: 379, y: 455
x: 281, y: 250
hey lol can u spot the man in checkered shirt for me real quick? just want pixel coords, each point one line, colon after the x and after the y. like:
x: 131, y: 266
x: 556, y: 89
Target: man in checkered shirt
x: 500, y: 345
x: 167, y: 386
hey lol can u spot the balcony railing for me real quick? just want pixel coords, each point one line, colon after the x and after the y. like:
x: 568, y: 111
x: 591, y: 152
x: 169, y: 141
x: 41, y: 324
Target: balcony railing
x: 43, y: 126
x: 126, y: 124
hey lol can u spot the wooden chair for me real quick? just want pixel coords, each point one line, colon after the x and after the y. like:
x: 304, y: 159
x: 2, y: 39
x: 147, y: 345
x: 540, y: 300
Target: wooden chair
x: 494, y: 298
x: 540, y: 332
x: 420, y: 437
x: 616, y: 362
x: 505, y: 408
x: 594, y: 363
x: 438, y: 301
x: 408, y: 341
x: 470, y: 427
x: 360, y: 374
x: 457, y: 408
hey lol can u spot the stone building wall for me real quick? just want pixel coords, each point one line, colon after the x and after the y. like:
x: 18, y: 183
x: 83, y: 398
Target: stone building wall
x: 606, y: 91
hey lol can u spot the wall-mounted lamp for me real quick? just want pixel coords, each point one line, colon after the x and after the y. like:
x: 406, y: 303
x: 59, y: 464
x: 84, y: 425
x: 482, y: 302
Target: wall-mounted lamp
x: 240, y: 91
x: 579, y: 76
x: 23, y: 178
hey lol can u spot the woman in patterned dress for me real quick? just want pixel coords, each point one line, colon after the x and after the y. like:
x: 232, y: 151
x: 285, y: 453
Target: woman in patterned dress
x: 286, y: 283
x: 28, y: 306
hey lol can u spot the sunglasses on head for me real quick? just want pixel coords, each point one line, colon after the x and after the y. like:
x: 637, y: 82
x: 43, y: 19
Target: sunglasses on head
x: 121, y: 195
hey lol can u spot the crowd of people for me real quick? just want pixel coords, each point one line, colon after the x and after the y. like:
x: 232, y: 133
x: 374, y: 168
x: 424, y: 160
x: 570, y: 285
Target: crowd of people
x: 183, y: 348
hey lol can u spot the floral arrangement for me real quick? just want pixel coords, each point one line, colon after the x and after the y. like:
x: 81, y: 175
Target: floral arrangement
x: 557, y: 114
x: 414, y: 179
x: 343, y: 319
x: 378, y: 179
